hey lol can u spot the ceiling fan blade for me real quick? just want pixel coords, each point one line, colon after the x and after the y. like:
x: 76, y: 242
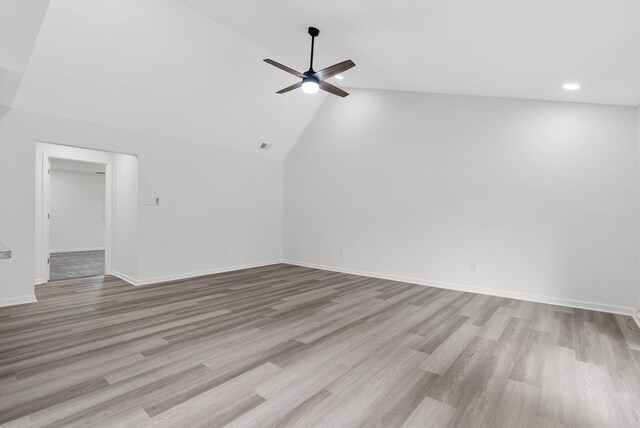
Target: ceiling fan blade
x: 284, y: 67
x: 333, y: 89
x: 289, y: 88
x: 334, y: 69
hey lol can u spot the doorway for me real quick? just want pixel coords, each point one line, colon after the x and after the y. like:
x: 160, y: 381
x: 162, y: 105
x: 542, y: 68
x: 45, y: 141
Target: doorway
x: 77, y: 219
x: 120, y: 213
x: 110, y: 251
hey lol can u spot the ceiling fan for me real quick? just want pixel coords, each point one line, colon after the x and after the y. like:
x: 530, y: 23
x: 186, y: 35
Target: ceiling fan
x: 314, y: 80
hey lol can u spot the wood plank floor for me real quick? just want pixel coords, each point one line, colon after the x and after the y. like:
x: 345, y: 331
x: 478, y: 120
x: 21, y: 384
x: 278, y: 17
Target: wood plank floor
x: 77, y: 264
x: 290, y: 346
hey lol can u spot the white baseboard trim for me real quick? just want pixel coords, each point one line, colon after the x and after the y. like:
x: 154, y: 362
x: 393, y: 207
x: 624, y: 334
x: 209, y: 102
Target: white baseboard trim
x: 38, y: 281
x: 636, y: 318
x: 559, y: 301
x: 20, y: 300
x: 77, y: 250
x: 124, y: 277
x: 188, y: 275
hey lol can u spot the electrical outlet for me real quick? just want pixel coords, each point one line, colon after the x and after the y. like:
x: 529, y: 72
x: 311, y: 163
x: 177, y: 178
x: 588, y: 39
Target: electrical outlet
x: 472, y: 267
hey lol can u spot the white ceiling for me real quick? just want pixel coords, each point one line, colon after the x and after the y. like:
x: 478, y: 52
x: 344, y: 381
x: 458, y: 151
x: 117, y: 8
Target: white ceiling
x: 160, y: 67
x: 504, y: 48
x: 20, y: 22
x: 192, y: 69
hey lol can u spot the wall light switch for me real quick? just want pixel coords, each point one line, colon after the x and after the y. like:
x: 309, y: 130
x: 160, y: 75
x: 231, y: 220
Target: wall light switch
x: 153, y: 202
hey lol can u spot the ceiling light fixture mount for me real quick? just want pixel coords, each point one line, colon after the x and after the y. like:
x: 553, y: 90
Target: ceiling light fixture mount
x: 311, y: 80
x: 571, y: 86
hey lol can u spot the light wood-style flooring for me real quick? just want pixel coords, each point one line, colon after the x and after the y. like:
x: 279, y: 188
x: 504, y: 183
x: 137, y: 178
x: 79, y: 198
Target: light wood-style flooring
x: 290, y: 346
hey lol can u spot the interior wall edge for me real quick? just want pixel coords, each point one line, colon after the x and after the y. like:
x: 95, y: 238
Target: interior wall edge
x: 637, y: 315
x: 559, y: 301
x: 18, y: 300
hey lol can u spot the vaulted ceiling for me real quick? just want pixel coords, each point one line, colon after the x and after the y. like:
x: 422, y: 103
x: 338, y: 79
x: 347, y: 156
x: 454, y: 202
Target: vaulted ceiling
x: 192, y: 70
x: 503, y: 48
x: 162, y: 68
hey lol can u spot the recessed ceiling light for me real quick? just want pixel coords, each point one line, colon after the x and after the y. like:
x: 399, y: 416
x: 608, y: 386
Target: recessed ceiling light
x: 339, y: 76
x: 571, y: 86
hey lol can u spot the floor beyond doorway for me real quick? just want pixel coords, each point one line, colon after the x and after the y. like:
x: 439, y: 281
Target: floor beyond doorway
x: 77, y: 264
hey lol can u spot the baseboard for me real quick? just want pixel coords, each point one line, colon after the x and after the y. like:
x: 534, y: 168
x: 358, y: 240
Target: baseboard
x: 636, y: 318
x: 600, y: 307
x: 20, y: 300
x: 124, y: 277
x: 38, y: 281
x: 188, y: 275
x: 77, y: 250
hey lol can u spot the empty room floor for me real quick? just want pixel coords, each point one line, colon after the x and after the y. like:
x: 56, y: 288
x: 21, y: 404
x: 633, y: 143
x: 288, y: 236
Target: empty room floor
x: 77, y: 264
x: 290, y: 346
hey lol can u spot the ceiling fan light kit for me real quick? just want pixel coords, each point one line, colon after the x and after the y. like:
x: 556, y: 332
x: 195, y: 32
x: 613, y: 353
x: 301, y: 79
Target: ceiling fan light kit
x: 310, y: 85
x: 311, y: 80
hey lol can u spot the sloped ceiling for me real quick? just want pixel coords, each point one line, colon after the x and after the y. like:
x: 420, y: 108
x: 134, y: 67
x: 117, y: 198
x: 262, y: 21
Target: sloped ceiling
x: 504, y: 48
x: 162, y: 68
x: 192, y: 69
x: 20, y: 22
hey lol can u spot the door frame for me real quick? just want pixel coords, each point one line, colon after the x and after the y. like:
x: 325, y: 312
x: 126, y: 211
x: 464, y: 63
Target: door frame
x: 46, y: 208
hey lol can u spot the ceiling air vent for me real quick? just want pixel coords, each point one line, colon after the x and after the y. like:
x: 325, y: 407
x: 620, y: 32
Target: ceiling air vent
x: 265, y: 146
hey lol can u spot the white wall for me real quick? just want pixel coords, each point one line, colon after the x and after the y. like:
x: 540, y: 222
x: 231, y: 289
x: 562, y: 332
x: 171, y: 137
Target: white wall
x: 638, y: 299
x: 125, y: 215
x: 211, y: 200
x: 542, y: 197
x: 77, y: 211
